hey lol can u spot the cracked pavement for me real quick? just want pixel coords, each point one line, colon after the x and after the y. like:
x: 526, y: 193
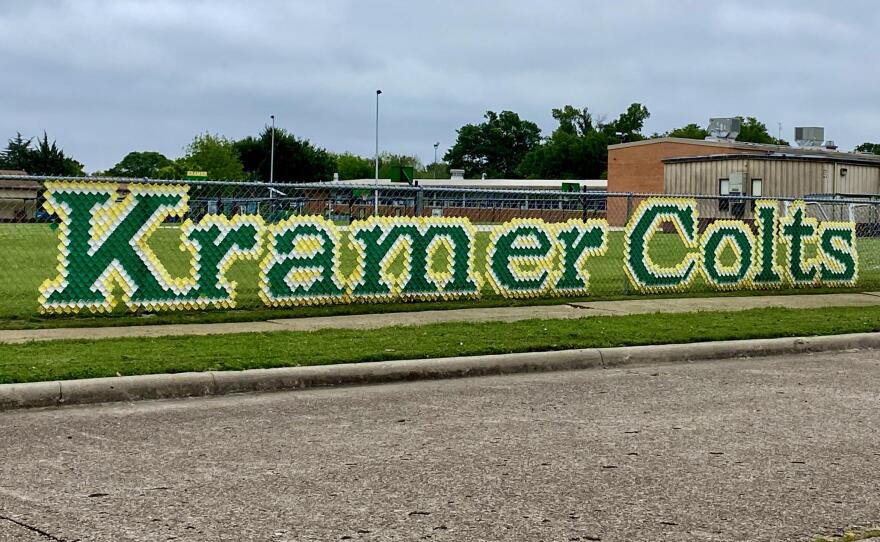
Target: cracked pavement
x: 760, y: 449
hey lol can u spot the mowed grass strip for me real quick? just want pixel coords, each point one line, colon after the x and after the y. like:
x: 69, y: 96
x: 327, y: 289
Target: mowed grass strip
x: 59, y: 360
x: 29, y: 256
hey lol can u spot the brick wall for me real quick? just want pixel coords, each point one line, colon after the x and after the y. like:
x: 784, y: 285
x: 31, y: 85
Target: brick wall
x: 639, y: 169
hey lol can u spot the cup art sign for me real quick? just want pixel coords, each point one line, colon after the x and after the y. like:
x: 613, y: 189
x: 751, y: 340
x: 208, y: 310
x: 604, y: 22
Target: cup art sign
x: 104, y: 247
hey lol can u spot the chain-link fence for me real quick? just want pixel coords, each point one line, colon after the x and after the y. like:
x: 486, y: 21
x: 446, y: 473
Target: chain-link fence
x: 29, y: 234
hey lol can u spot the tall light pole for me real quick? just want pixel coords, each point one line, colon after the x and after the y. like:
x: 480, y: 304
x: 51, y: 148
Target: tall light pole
x: 272, y: 153
x: 378, y: 92
x: 437, y: 144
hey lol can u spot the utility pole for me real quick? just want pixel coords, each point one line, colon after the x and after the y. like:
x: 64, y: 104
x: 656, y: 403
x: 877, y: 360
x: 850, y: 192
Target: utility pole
x: 272, y: 153
x: 378, y: 92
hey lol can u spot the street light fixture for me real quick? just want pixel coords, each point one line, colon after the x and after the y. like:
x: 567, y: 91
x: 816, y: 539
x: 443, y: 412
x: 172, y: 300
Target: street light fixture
x: 378, y: 92
x: 272, y: 153
x: 437, y: 144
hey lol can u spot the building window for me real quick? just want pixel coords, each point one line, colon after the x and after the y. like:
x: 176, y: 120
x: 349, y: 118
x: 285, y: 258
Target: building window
x: 757, y: 190
x: 724, y: 190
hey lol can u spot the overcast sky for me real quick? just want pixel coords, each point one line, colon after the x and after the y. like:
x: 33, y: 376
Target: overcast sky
x: 106, y: 78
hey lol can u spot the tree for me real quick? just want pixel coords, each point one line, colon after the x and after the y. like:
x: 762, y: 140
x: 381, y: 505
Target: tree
x: 690, y: 131
x: 351, y: 166
x: 214, y: 154
x: 494, y: 147
x: 435, y: 170
x: 871, y: 148
x: 140, y: 164
x: 295, y: 159
x: 17, y: 154
x: 755, y: 131
x: 44, y: 159
x: 388, y: 160
x: 628, y: 126
x: 48, y: 159
x: 175, y: 170
x: 751, y: 131
x: 573, y: 121
x: 578, y: 147
x: 572, y: 151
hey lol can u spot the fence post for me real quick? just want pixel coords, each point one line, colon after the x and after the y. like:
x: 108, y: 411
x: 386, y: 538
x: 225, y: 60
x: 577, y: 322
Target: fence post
x: 420, y: 200
x: 376, y: 202
x: 583, y: 199
x: 629, y: 205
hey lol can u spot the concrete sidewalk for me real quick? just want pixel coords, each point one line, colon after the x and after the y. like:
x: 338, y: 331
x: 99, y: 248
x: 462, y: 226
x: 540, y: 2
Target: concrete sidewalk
x: 419, y: 318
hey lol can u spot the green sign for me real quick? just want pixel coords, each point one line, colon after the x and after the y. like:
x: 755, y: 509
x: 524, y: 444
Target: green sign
x: 104, y: 253
x: 834, y: 261
x: 196, y: 175
x: 402, y: 174
x: 571, y: 187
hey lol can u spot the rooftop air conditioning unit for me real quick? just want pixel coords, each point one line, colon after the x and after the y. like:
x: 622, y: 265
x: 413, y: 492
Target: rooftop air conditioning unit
x: 456, y: 174
x: 809, y: 136
x: 725, y: 128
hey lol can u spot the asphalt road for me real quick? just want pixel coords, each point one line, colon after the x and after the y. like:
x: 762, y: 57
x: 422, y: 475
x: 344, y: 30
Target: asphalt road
x: 765, y: 449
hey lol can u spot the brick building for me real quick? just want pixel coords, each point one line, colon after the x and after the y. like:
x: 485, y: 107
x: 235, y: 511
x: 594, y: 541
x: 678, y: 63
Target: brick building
x: 723, y: 167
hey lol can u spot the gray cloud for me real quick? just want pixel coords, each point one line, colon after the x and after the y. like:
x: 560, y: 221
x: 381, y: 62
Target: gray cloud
x: 108, y: 77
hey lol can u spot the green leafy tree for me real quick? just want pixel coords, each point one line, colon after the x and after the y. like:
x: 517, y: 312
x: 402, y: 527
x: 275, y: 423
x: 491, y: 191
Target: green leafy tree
x: 43, y: 159
x: 495, y: 147
x: 351, y: 166
x: 689, y: 131
x: 296, y: 160
x: 435, y: 170
x: 140, y: 164
x: 628, y: 126
x: 48, y: 159
x: 573, y: 150
x: 578, y: 147
x: 214, y: 154
x: 755, y: 131
x: 17, y: 154
x: 872, y: 148
x: 573, y: 121
x: 174, y: 170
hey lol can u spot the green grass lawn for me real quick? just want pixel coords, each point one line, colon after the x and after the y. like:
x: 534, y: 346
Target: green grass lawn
x: 41, y: 361
x: 29, y: 253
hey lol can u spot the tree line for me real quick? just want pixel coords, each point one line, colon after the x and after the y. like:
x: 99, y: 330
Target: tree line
x: 507, y: 146
x: 503, y: 145
x: 296, y: 160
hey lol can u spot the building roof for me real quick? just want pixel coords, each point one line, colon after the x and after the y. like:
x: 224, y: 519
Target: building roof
x: 753, y: 149
x: 837, y: 158
x: 19, y: 184
x: 546, y: 184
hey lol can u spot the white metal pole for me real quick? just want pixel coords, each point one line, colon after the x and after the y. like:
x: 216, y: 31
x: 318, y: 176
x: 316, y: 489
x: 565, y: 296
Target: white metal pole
x: 378, y: 92
x: 272, y: 154
x: 435, y: 159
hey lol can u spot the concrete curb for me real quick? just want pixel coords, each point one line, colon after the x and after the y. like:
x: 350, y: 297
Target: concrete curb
x: 181, y: 385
